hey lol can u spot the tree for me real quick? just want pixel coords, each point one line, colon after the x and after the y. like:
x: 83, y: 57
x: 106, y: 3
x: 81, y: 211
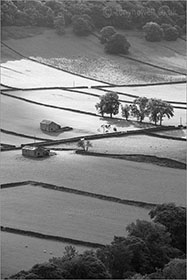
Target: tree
x: 109, y: 104
x: 117, y: 43
x: 175, y: 269
x: 153, y: 32
x: 157, y: 240
x: 139, y: 108
x: 158, y: 109
x: 171, y: 34
x: 174, y: 219
x: 85, y: 145
x: 126, y: 111
x: 105, y: 33
x: 59, y: 24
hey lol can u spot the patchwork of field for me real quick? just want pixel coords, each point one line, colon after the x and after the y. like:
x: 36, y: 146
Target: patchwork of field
x: 22, y: 252
x: 67, y: 215
x: 113, y: 177
x: 142, y: 144
x: 23, y: 117
x: 33, y: 208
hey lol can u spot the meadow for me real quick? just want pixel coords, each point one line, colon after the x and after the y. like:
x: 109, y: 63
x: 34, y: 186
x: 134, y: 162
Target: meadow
x: 113, y: 177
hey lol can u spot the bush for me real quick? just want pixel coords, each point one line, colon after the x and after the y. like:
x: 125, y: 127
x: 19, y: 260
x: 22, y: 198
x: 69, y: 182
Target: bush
x: 106, y: 32
x: 171, y: 34
x: 117, y: 43
x: 153, y: 32
x: 82, y: 25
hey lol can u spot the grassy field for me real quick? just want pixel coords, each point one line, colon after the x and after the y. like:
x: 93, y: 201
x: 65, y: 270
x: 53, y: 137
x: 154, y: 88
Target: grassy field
x: 182, y: 133
x: 115, y: 177
x: 25, y: 118
x: 142, y: 144
x: 20, y: 252
x: 65, y: 214
x: 86, y: 56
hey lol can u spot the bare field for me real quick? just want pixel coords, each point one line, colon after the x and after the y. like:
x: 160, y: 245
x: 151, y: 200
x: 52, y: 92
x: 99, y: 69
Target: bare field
x: 115, y: 177
x: 142, y: 144
x: 65, y: 214
x: 20, y: 252
x: 86, y: 56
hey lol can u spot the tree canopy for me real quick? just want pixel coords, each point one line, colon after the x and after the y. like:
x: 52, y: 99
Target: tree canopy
x: 109, y: 104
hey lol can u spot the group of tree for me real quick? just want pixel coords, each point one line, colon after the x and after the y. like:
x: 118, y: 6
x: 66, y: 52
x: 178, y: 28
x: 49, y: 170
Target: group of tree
x: 122, y: 14
x: 114, y: 42
x: 155, y: 109
x: 155, y: 32
x: 153, y: 249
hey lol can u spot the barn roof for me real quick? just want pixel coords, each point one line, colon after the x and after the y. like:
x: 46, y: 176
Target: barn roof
x: 48, y: 122
x: 31, y: 148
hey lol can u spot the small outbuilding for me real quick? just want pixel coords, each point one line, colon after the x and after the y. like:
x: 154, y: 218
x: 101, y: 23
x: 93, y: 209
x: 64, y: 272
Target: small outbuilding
x: 49, y: 126
x: 35, y: 151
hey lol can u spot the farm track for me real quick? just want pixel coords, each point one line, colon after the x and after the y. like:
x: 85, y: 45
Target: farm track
x: 109, y: 84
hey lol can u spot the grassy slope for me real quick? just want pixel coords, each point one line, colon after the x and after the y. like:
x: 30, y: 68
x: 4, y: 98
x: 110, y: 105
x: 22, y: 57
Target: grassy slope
x: 67, y: 215
x: 86, y: 56
x: 115, y: 177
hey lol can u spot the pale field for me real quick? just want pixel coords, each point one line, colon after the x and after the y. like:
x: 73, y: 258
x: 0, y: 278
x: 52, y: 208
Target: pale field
x: 174, y: 92
x: 15, y: 256
x: 65, y: 214
x: 113, y: 177
x: 86, y: 56
x: 24, y: 73
x: 67, y: 99
x: 15, y: 140
x: 142, y: 144
x: 23, y: 117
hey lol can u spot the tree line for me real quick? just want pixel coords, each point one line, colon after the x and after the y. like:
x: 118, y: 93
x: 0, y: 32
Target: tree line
x: 120, y: 14
x: 153, y: 249
x: 155, y: 109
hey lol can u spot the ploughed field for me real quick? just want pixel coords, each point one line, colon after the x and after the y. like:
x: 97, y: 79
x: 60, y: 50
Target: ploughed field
x: 112, y: 177
x: 21, y: 252
x: 33, y: 208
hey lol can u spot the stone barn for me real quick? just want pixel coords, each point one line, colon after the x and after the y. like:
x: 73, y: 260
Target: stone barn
x: 49, y: 126
x: 35, y: 151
